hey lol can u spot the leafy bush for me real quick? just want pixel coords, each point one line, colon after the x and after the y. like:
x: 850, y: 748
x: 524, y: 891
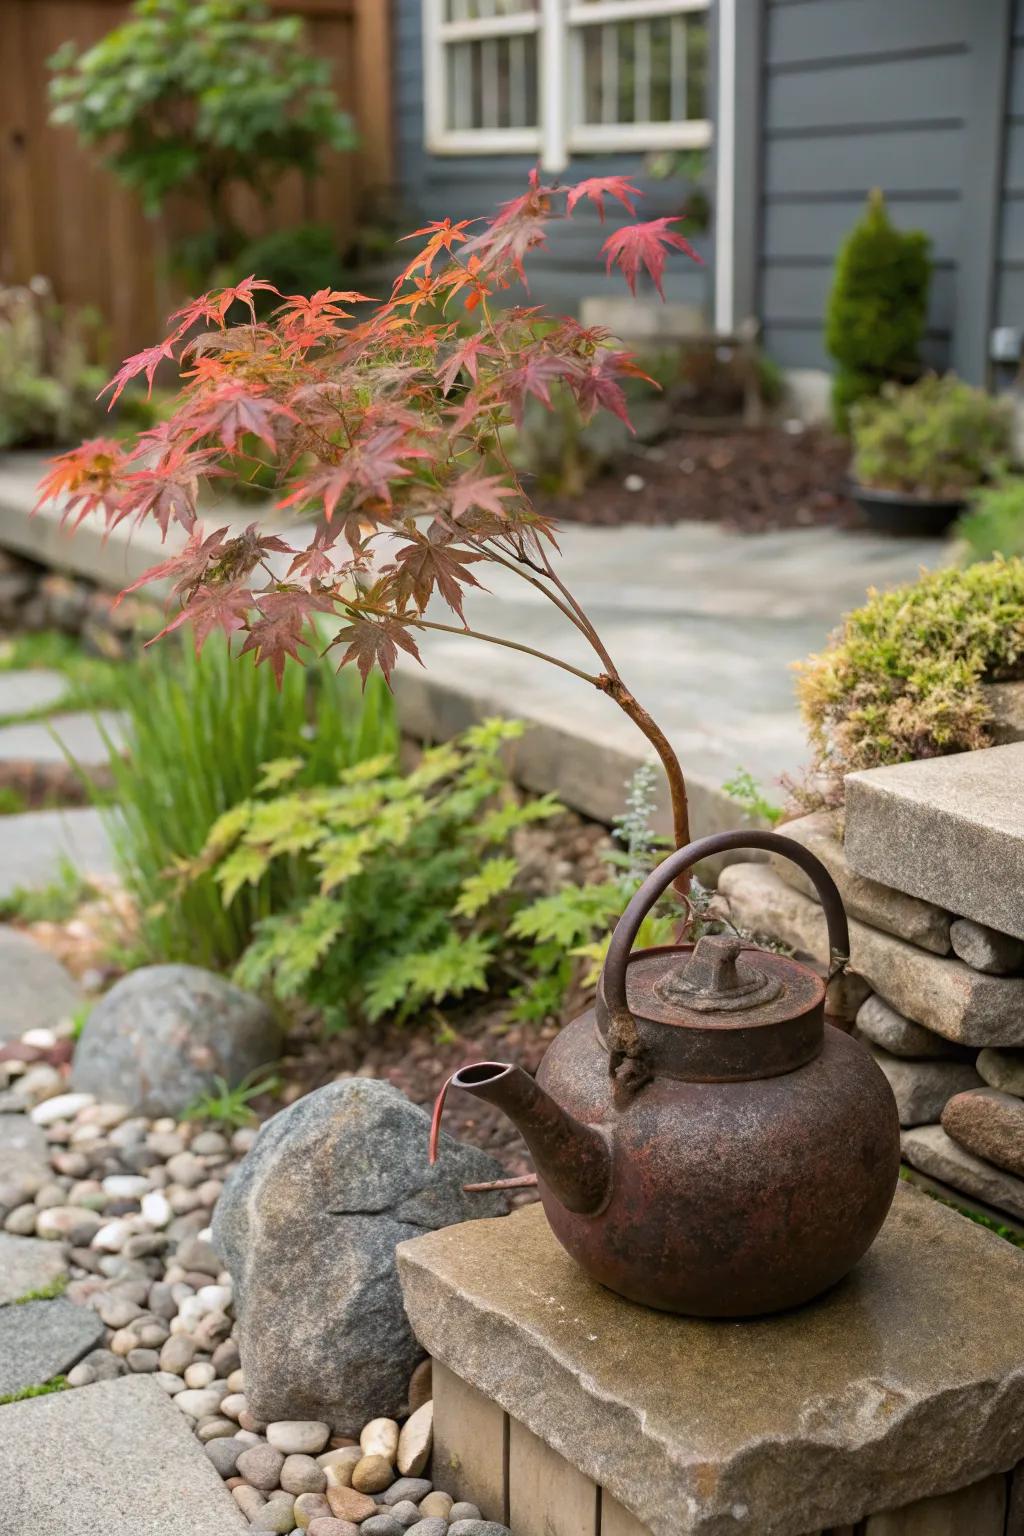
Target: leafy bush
x: 938, y: 437
x: 995, y: 523
x: 197, y: 96
x: 198, y: 733
x: 409, y: 892
x: 48, y: 375
x: 901, y: 678
x: 876, y: 311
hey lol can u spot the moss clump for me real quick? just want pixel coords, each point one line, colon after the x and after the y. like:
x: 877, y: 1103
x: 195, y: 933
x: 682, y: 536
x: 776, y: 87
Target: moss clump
x: 876, y: 311
x: 48, y: 1292
x: 57, y: 1384
x: 901, y: 678
x: 938, y: 437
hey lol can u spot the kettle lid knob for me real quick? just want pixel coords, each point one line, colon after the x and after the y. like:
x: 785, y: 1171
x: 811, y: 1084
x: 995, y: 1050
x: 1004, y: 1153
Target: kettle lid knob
x: 718, y: 978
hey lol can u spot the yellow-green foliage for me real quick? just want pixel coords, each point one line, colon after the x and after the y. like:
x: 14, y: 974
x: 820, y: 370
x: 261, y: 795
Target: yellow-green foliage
x: 938, y: 437
x: 901, y: 678
x: 877, y: 307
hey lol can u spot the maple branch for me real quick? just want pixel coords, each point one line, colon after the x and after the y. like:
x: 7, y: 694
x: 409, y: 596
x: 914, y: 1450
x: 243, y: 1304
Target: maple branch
x: 616, y: 689
x: 512, y: 645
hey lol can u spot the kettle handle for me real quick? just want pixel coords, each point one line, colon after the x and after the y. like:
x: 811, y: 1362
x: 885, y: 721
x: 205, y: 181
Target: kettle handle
x: 623, y: 1038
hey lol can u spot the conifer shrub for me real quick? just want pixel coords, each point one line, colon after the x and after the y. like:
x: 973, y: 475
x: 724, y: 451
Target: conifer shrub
x: 902, y: 677
x: 938, y: 438
x: 876, y: 311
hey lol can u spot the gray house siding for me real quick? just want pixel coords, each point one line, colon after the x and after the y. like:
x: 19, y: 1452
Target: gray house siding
x: 860, y: 94
x: 1009, y: 301
x: 468, y: 186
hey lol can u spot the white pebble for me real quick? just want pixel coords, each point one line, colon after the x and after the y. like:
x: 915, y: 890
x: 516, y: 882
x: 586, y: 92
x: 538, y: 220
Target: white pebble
x: 298, y: 1437
x: 234, y: 1404
x: 416, y: 1440
x: 42, y: 1039
x: 380, y: 1438
x: 199, y: 1402
x: 214, y: 1298
x: 190, y: 1312
x: 64, y: 1107
x: 156, y: 1209
x: 112, y: 1237
x: 125, y: 1186
x: 171, y: 1384
x: 200, y: 1374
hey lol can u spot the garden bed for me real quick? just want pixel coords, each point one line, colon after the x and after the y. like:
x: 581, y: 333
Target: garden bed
x: 750, y: 481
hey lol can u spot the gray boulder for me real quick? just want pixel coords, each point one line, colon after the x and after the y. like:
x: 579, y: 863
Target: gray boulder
x: 37, y: 991
x: 308, y: 1225
x: 162, y: 1035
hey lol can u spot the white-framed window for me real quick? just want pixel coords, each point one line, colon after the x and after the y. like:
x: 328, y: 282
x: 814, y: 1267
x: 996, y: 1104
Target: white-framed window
x: 550, y: 77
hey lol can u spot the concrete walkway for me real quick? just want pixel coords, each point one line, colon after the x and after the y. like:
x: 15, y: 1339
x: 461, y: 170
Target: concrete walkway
x: 703, y: 625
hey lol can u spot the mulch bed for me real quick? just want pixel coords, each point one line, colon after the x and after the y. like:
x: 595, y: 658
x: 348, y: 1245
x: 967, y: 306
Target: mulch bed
x: 748, y: 480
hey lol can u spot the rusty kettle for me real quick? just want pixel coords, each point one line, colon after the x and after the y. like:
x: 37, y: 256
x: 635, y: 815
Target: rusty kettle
x: 704, y: 1141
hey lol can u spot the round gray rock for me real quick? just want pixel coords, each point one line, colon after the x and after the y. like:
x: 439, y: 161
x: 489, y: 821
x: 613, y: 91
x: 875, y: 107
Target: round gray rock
x: 162, y: 1036
x: 332, y: 1184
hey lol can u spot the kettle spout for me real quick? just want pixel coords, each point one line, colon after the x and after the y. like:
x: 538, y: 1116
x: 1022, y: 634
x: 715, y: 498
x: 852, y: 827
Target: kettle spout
x: 573, y: 1160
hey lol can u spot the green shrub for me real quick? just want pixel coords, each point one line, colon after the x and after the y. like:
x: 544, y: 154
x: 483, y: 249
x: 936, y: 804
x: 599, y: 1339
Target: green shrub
x: 876, y: 311
x: 901, y: 678
x: 410, y: 893
x: 198, y: 733
x: 995, y: 523
x: 49, y: 377
x: 938, y: 437
x: 198, y: 96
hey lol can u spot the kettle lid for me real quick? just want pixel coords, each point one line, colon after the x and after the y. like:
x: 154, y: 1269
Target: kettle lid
x: 721, y: 1010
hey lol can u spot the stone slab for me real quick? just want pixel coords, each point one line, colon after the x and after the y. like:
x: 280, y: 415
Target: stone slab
x: 78, y: 736
x: 28, y: 689
x: 35, y: 846
x: 929, y: 1148
x: 37, y: 992
x: 766, y: 1427
x: 990, y: 1124
x: 922, y: 1089
x: 27, y: 1264
x: 961, y: 1202
x: 942, y: 994
x: 24, y: 1150
x: 948, y: 829
x: 883, y: 1026
x: 919, y: 922
x: 1003, y: 1070
x: 42, y: 1339
x: 107, y: 1460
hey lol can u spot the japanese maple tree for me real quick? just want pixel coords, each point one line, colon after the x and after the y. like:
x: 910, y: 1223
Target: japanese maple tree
x: 387, y: 424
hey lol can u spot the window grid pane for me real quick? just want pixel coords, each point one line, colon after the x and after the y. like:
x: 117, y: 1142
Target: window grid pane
x: 492, y: 83
x: 652, y: 70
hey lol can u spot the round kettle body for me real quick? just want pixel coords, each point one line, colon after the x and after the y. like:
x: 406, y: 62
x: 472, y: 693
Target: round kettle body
x: 729, y: 1199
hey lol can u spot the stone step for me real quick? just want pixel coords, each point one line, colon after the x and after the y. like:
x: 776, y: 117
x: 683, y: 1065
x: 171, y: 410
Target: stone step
x: 948, y: 829
x: 27, y: 689
x: 28, y: 1264
x: 43, y: 1339
x: 79, y: 736
x: 111, y: 1458
x: 35, y: 846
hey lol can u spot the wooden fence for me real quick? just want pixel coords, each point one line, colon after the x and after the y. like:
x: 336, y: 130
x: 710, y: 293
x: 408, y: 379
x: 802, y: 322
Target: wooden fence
x: 64, y: 216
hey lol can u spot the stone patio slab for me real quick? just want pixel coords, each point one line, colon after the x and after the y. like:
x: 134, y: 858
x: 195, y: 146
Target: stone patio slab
x: 34, y: 846
x: 948, y: 829
x: 79, y: 735
x: 43, y: 1339
x: 108, y: 1460
x: 27, y: 1263
x: 36, y: 991
x: 29, y: 689
x: 862, y: 1400
x: 24, y: 1150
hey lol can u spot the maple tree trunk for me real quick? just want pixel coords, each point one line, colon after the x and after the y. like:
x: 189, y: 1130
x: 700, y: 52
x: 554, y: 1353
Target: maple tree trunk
x: 616, y: 689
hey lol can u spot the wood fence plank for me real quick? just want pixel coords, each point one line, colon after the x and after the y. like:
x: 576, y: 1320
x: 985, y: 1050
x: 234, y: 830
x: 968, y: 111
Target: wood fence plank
x: 547, y: 1496
x: 469, y: 1444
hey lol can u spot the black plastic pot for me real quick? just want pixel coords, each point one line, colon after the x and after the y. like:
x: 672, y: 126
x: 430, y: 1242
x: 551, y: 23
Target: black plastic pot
x: 906, y: 516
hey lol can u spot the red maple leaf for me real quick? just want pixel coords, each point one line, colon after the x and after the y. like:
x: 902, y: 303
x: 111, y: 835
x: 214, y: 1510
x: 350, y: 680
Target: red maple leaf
x: 598, y: 387
x: 305, y: 321
x: 278, y: 632
x: 535, y: 377
x: 215, y: 304
x: 375, y: 643
x: 89, y: 476
x: 366, y: 469
x: 315, y: 562
x: 167, y: 490
x: 466, y: 355
x: 425, y: 564
x: 147, y: 362
x: 443, y: 235
x: 597, y: 188
x: 475, y: 490
x: 234, y: 409
x: 188, y: 567
x: 637, y: 245
x: 209, y: 609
